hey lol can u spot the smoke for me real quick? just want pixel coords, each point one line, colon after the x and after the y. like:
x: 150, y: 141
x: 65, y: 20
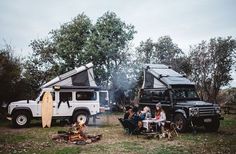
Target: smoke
x: 124, y: 83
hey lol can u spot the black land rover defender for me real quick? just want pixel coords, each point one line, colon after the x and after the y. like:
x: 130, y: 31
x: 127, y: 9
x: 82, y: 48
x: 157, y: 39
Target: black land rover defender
x: 178, y: 98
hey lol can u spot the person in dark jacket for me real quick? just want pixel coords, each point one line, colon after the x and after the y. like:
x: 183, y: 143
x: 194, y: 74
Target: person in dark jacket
x: 132, y: 121
x: 127, y: 112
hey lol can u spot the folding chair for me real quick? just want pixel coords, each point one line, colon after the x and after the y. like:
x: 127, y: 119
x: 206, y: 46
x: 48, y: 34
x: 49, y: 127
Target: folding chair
x: 129, y: 127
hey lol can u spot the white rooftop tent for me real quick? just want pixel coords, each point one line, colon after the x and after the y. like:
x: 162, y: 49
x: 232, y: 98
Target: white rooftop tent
x: 162, y: 76
x: 80, y: 76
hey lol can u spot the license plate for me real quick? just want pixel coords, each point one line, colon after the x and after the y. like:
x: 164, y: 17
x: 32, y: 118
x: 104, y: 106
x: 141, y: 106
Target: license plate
x: 207, y: 120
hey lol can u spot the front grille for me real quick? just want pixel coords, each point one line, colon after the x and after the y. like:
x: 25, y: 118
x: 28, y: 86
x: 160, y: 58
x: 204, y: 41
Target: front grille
x: 206, y: 111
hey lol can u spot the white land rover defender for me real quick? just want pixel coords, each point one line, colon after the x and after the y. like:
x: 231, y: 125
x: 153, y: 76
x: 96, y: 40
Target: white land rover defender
x: 75, y: 97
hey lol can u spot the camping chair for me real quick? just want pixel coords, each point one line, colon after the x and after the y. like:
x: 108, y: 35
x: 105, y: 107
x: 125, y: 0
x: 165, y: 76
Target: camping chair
x: 129, y: 127
x: 124, y: 125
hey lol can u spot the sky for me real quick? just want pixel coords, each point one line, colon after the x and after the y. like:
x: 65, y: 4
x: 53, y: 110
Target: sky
x: 187, y: 22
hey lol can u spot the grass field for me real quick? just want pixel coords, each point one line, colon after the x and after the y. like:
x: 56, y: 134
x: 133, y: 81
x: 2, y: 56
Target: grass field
x: 38, y: 140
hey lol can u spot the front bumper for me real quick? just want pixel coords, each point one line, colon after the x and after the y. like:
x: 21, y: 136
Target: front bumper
x: 201, y: 120
x: 9, y: 117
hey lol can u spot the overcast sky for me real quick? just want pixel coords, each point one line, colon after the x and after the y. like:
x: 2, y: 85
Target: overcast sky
x: 187, y: 22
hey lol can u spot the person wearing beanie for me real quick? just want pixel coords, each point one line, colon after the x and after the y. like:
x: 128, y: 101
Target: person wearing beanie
x: 160, y: 116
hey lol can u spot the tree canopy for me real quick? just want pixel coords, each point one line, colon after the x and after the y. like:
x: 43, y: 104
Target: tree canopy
x: 212, y: 64
x: 11, y: 79
x: 118, y: 67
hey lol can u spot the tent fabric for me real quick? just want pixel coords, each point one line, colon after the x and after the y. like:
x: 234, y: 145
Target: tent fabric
x: 149, y: 80
x: 80, y: 79
x: 91, y: 78
x: 81, y: 76
x: 161, y: 76
x: 164, y: 72
x: 158, y: 84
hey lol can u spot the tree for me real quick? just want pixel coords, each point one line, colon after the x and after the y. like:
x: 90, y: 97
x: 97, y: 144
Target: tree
x: 78, y: 42
x: 200, y: 61
x: 146, y: 52
x: 108, y: 48
x: 69, y: 42
x: 212, y: 64
x: 10, y: 76
x: 164, y: 51
x: 108, y: 45
x: 62, y: 51
x: 169, y: 53
x: 41, y: 66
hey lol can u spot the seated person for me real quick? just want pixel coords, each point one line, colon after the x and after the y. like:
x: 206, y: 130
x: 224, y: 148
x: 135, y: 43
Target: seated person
x: 160, y: 116
x: 132, y: 121
x: 145, y: 113
x: 128, y: 110
x: 134, y: 115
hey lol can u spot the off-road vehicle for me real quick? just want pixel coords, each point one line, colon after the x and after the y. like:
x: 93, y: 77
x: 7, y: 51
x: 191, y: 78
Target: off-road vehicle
x: 75, y: 97
x: 178, y: 98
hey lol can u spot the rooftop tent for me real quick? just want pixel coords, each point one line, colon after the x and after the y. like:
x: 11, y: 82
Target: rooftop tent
x: 162, y: 76
x: 80, y: 76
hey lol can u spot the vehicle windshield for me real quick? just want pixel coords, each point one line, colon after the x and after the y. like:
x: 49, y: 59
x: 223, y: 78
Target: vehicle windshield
x: 39, y: 95
x: 185, y: 94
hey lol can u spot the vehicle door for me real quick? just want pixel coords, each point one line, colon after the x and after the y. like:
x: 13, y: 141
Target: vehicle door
x: 64, y: 103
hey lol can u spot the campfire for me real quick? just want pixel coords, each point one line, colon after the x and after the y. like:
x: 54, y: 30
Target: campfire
x: 76, y: 135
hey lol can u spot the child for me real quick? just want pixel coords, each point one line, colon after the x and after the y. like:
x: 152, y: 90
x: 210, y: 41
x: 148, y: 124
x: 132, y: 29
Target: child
x: 160, y: 116
x: 145, y: 113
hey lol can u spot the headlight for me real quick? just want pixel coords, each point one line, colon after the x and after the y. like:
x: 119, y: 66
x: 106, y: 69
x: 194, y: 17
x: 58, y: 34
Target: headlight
x: 217, y: 110
x: 193, y: 111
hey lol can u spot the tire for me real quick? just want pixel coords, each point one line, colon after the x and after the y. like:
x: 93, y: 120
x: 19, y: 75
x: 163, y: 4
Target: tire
x: 81, y: 116
x: 21, y: 119
x: 213, y: 126
x: 180, y: 122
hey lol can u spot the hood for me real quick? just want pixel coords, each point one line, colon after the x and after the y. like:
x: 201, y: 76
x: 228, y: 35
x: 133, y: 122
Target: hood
x: 22, y: 102
x: 195, y: 104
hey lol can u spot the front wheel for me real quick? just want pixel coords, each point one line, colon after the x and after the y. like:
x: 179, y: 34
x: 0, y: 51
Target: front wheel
x: 21, y: 119
x: 81, y: 116
x: 180, y: 122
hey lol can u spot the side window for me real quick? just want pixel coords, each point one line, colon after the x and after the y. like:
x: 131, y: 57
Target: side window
x: 52, y: 93
x: 103, y: 98
x: 157, y: 95
x: 179, y: 94
x: 86, y: 95
x: 53, y: 96
x: 65, y: 96
x: 166, y: 96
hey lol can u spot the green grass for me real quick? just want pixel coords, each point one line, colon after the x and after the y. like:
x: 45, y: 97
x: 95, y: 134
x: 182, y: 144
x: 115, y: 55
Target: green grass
x: 229, y: 121
x: 13, y: 138
x: 170, y: 150
x: 66, y: 150
x: 114, y: 140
